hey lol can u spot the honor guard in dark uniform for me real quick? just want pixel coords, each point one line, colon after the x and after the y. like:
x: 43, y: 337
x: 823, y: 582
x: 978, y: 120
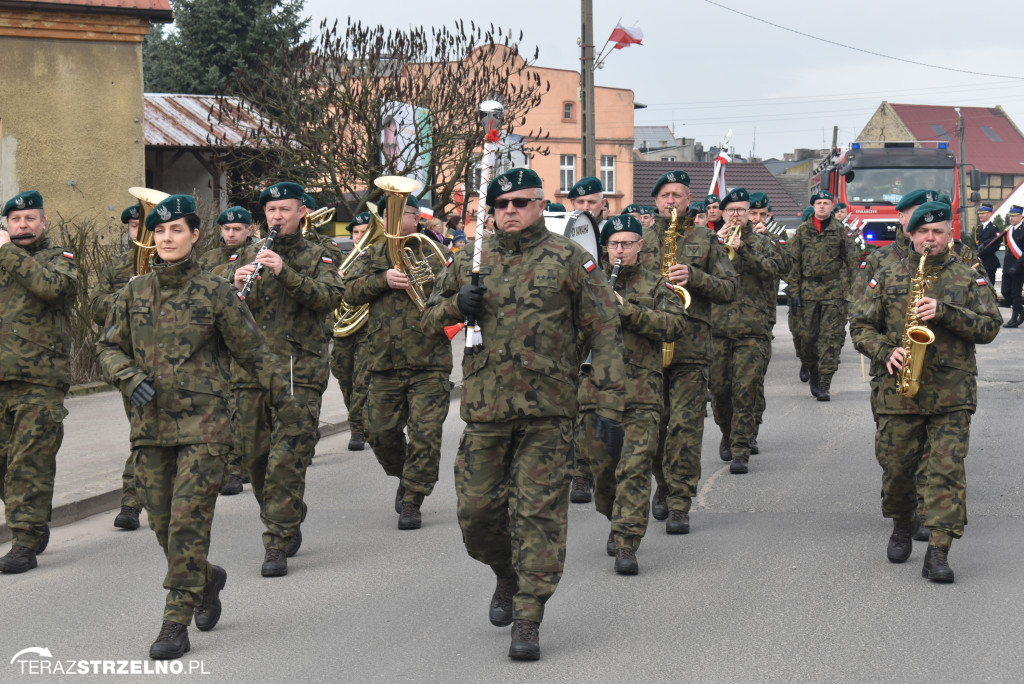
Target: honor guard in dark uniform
x: 701, y: 266
x: 297, y: 285
x: 1013, y: 266
x: 741, y: 330
x: 987, y: 242
x: 823, y: 257
x: 538, y: 293
x: 926, y: 392
x: 165, y: 347
x: 409, y: 386
x: 38, y: 285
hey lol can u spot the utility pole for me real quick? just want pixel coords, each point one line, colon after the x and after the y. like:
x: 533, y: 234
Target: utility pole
x: 835, y: 139
x: 587, y: 106
x: 961, y: 170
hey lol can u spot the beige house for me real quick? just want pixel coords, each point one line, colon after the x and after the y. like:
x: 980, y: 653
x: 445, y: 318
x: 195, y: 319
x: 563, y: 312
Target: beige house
x: 71, y: 102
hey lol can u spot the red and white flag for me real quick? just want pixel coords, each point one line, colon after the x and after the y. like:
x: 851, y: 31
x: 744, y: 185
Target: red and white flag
x: 718, y: 186
x: 624, y: 37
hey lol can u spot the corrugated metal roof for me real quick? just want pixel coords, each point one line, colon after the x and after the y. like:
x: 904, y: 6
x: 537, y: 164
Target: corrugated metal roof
x: 185, y: 121
x: 991, y: 141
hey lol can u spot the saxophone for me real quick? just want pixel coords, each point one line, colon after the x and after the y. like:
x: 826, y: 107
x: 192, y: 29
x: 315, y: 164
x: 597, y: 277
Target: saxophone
x: 916, y: 338
x: 668, y: 260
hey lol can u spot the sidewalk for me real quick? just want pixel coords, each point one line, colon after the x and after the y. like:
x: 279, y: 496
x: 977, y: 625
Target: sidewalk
x: 95, y: 447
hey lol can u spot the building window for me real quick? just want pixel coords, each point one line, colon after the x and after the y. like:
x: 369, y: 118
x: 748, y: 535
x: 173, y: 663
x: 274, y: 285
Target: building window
x: 608, y: 172
x: 567, y: 172
x: 668, y: 159
x: 991, y: 133
x: 567, y: 111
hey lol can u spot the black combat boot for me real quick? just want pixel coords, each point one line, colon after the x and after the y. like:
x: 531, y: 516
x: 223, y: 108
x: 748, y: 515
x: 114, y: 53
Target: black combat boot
x: 625, y: 561
x: 739, y: 465
x: 245, y: 478
x: 294, y: 544
x: 900, y: 541
x: 814, y: 385
x: 357, y: 441
x: 609, y: 546
x: 127, y: 519
x: 19, y: 559
x: 525, y: 640
x: 824, y: 382
x: 410, y: 518
x: 936, y: 565
x: 208, y: 612
x: 171, y: 643
x: 399, y: 495
x: 45, y: 541
x: 754, y: 449
x: 275, y: 563
x: 805, y: 374
x: 1015, y: 320
x: 923, y: 532
x: 678, y: 523
x: 581, y: 490
x: 725, y: 449
x: 232, y: 486
x: 501, y: 601
x: 659, y: 506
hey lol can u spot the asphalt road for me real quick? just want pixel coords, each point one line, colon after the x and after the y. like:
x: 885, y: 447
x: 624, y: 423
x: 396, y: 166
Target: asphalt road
x: 783, y: 578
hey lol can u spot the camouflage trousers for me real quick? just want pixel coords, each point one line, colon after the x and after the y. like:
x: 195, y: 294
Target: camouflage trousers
x: 622, y: 487
x: 822, y: 334
x: 353, y: 377
x: 413, y: 401
x: 676, y: 464
x: 937, y: 445
x: 234, y: 460
x: 275, y: 456
x: 737, y: 371
x: 31, y: 432
x: 178, y: 486
x: 512, y: 483
x: 793, y: 319
x: 129, y: 493
x: 581, y: 466
x: 766, y: 347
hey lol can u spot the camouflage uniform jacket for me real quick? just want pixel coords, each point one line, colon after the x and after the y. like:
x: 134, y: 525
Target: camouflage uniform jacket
x: 222, y: 258
x: 757, y: 263
x: 393, y: 337
x: 542, y: 289
x: 38, y: 286
x: 651, y: 314
x: 785, y: 264
x: 823, y: 261
x: 176, y: 325
x: 967, y: 315
x: 113, y: 277
x: 291, y: 308
x: 712, y: 279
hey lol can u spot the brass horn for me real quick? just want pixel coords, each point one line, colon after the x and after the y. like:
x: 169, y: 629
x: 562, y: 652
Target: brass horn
x: 347, y: 318
x: 144, y: 247
x: 312, y: 221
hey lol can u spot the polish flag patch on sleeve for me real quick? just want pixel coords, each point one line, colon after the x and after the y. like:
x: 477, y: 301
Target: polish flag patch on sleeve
x: 863, y: 264
x: 68, y: 255
x: 981, y: 281
x: 449, y: 262
x: 233, y: 257
x: 589, y: 265
x: 327, y: 260
x: 872, y: 283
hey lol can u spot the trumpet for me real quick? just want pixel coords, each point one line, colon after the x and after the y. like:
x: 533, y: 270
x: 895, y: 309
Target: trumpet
x: 144, y: 247
x: 315, y: 219
x: 347, y: 318
x: 736, y: 228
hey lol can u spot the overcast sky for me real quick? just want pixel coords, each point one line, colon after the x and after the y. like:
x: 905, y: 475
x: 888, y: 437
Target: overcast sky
x: 704, y: 69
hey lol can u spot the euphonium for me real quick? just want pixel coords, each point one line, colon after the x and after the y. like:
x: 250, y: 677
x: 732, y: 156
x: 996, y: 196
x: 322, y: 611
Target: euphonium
x: 347, y: 318
x: 668, y: 260
x: 916, y: 338
x: 413, y: 263
x: 144, y: 247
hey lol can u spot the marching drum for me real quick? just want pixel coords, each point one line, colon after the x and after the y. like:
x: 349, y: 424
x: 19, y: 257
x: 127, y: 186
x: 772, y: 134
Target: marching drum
x: 578, y: 226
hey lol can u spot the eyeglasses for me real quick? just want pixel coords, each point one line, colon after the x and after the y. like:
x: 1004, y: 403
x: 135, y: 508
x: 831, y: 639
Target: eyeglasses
x: 734, y: 210
x: 518, y: 202
x: 621, y: 244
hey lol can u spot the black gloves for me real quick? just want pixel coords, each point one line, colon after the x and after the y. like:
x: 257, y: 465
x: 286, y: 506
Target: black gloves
x: 611, y: 433
x: 471, y: 300
x: 144, y: 393
x: 796, y: 302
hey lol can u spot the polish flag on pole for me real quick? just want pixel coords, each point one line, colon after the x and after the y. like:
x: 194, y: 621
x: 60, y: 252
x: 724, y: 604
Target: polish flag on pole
x: 718, y: 186
x: 624, y: 37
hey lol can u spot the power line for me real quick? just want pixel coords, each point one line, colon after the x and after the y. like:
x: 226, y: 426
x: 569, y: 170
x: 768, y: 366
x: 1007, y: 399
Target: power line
x: 851, y: 47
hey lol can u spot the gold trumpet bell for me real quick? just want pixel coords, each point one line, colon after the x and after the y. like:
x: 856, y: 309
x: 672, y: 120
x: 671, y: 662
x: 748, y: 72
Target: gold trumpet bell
x: 144, y: 247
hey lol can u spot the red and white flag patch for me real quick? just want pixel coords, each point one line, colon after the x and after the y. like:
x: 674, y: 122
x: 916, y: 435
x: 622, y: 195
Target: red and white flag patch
x: 589, y: 266
x: 327, y: 260
x: 233, y: 257
x: 873, y: 283
x: 68, y: 255
x: 981, y: 281
x: 449, y: 262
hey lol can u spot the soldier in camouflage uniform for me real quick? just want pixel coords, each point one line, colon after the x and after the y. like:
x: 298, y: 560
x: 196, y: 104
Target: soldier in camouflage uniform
x: 112, y: 278
x: 650, y: 315
x: 409, y: 385
x: 538, y: 292
x: 740, y: 331
x: 297, y: 287
x: 931, y: 429
x: 38, y: 284
x: 824, y: 258
x: 704, y: 269
x: 793, y: 314
x: 173, y: 367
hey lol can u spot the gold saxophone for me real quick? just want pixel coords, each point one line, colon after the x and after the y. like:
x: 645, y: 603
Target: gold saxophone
x: 668, y: 260
x: 348, y: 318
x: 916, y: 338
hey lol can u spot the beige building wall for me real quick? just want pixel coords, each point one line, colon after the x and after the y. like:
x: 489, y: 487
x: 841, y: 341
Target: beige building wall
x: 885, y: 125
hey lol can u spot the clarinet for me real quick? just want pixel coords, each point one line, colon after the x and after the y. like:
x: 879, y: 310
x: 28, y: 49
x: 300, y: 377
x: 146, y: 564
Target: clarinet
x: 251, y: 280
x: 588, y: 365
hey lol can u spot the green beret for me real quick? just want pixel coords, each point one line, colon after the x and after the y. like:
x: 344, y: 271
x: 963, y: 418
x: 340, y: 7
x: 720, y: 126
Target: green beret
x: 555, y: 206
x: 839, y: 205
x: 930, y: 212
x: 698, y: 208
x: 916, y: 198
x: 281, y: 191
x: 758, y: 200
x: 822, y: 195
x: 586, y: 186
x: 510, y: 181
x: 618, y: 224
x: 174, y: 207
x: 30, y: 199
x: 650, y: 211
x: 735, y: 195
x: 671, y: 177
x: 308, y: 202
x: 360, y: 219
x: 769, y: 206
x: 410, y: 201
x: 807, y: 213
x: 234, y: 215
x: 132, y: 213
x: 633, y: 209
x: 945, y: 199
x: 712, y: 199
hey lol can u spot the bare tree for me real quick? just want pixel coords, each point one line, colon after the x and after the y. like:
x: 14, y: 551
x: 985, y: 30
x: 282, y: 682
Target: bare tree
x: 365, y: 101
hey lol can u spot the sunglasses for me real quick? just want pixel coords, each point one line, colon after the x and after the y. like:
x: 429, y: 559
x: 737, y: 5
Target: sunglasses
x: 518, y: 202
